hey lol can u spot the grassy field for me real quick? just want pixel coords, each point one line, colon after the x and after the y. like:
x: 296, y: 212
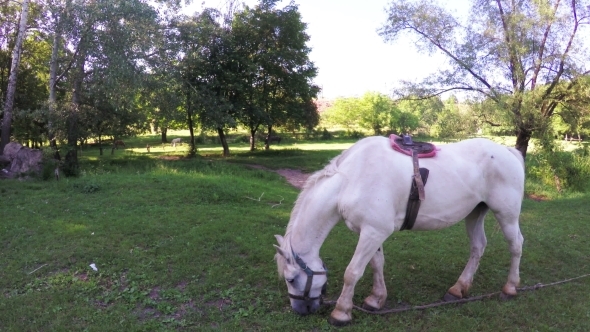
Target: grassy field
x: 186, y: 244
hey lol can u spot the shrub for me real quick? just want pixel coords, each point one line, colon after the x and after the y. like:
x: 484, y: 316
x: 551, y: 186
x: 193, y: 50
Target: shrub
x: 561, y: 169
x: 326, y: 135
x: 355, y: 134
x: 48, y: 164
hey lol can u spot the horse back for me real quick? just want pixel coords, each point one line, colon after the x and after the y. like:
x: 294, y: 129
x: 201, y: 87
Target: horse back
x: 462, y: 175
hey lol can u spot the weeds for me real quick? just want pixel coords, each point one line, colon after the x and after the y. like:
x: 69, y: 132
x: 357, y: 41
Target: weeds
x: 560, y: 169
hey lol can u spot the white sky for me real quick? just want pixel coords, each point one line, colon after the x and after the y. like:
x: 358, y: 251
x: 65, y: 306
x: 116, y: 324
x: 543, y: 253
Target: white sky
x: 350, y: 56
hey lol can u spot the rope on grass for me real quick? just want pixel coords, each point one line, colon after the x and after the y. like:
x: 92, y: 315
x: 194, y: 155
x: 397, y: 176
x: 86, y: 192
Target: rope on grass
x: 35, y: 270
x: 458, y: 301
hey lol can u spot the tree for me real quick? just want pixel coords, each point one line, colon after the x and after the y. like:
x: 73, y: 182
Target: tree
x: 416, y: 114
x: 527, y: 56
x: 573, y: 115
x: 454, y: 121
x: 404, y: 118
x: 274, y: 70
x: 344, y: 112
x: 102, y: 51
x: 376, y: 111
x: 373, y: 111
x: 16, y: 54
x: 207, y: 73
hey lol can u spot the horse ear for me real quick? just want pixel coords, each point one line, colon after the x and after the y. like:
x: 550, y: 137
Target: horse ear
x: 280, y: 251
x: 279, y: 239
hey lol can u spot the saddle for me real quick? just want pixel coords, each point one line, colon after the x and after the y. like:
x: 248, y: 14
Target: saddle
x: 406, y: 145
x: 417, y: 150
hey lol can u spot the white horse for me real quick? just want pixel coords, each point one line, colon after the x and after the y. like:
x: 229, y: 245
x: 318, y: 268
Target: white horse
x: 368, y: 187
x: 176, y: 141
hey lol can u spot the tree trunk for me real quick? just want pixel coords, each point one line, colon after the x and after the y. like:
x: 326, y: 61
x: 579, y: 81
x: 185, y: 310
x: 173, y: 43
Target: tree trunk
x: 522, y: 141
x: 268, y: 135
x: 252, y: 139
x: 71, y: 165
x: 11, y: 89
x: 164, y: 132
x: 52, y: 95
x: 189, y: 113
x: 223, y: 140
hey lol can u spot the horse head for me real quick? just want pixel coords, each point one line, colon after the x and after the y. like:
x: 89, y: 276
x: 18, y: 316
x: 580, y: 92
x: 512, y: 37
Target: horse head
x: 305, y: 285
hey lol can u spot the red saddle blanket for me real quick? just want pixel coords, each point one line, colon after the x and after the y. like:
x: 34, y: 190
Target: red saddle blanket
x: 424, y: 150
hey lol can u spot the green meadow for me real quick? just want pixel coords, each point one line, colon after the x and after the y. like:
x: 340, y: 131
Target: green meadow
x: 186, y: 244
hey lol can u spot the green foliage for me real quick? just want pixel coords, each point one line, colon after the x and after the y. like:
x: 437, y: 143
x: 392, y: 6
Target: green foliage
x: 406, y: 118
x: 48, y: 164
x: 563, y: 170
x: 344, y: 112
x: 273, y: 72
x: 454, y: 121
x: 326, y: 135
x: 377, y: 113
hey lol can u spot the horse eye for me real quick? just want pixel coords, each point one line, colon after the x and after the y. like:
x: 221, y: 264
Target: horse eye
x: 290, y: 280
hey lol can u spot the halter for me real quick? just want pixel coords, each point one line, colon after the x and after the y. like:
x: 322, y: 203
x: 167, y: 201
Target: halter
x: 310, y: 273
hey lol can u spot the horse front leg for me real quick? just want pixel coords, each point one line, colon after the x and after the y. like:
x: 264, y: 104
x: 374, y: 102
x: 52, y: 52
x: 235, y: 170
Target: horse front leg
x: 369, y: 242
x: 477, y: 238
x: 376, y: 300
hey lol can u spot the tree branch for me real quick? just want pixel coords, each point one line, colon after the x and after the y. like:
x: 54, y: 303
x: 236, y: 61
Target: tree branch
x: 440, y: 92
x: 563, y: 56
x: 539, y: 61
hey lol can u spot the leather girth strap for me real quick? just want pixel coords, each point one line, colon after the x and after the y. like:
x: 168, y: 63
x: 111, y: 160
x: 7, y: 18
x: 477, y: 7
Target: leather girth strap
x: 417, y: 194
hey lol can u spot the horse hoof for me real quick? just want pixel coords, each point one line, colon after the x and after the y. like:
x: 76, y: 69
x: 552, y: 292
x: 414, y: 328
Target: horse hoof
x: 369, y: 307
x: 506, y: 297
x: 338, y: 323
x: 450, y: 297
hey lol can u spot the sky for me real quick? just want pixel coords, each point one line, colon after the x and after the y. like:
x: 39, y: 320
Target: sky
x: 350, y: 56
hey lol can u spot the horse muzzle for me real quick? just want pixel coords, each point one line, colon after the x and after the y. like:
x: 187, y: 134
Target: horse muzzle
x: 306, y: 307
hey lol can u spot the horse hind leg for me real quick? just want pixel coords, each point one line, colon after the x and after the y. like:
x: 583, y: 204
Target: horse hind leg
x: 512, y: 234
x: 474, y: 223
x: 376, y: 300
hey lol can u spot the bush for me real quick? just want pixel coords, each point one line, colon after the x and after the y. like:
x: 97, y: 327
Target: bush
x: 48, y: 164
x: 326, y: 135
x: 561, y: 169
x: 355, y: 134
x: 243, y: 139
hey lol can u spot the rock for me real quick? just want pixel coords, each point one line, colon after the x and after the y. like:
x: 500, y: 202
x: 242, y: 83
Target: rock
x: 23, y: 160
x: 11, y: 149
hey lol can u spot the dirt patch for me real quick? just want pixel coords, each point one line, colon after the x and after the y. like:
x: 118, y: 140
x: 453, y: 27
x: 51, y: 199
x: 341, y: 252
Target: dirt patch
x: 538, y: 198
x: 294, y: 176
x: 219, y: 304
x: 181, y: 286
x: 154, y: 293
x: 168, y: 157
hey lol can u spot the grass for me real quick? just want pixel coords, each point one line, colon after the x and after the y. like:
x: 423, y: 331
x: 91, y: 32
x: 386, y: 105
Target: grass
x: 186, y: 244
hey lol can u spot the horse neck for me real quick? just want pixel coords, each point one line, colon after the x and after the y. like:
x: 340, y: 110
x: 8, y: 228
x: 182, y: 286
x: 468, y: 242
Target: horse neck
x: 316, y: 211
x: 310, y: 226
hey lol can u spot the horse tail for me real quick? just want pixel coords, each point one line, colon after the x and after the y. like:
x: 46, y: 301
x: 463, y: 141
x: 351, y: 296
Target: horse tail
x: 518, y: 155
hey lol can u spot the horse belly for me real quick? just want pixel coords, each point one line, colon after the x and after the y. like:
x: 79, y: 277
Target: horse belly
x: 451, y: 193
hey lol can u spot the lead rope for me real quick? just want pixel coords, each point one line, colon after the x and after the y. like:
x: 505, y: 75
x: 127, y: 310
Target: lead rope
x: 471, y: 299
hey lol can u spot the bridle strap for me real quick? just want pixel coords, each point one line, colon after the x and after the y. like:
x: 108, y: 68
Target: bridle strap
x: 310, y: 273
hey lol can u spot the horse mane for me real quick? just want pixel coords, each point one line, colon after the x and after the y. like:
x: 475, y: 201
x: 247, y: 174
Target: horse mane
x: 282, y: 260
x: 327, y: 171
